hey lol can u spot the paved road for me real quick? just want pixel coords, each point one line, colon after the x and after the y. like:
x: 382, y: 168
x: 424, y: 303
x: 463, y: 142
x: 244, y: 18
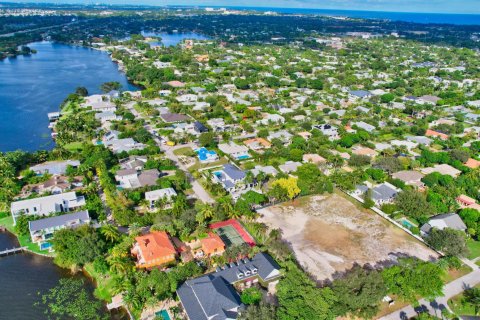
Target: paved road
x: 197, y: 188
x: 435, y: 307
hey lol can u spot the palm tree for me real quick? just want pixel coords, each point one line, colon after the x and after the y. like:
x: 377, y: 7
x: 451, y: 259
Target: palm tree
x: 110, y: 232
x: 120, y: 265
x: 472, y: 296
x: 207, y: 211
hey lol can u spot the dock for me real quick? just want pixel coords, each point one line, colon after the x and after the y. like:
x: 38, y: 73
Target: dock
x: 6, y: 252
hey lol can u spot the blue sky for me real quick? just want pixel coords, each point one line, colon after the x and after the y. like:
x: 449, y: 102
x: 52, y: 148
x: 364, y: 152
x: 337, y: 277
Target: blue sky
x: 444, y: 6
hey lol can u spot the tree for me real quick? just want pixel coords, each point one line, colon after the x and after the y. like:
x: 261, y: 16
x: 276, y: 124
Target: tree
x: 359, y: 160
x: 367, y: 199
x: 251, y: 296
x: 413, y: 203
x: 110, y: 232
x: 259, y: 312
x: 412, y: 278
x: 449, y: 241
x: 359, y: 293
x: 299, y: 297
x: 207, y: 139
x: 387, y: 97
x: 76, y: 247
x: 110, y: 86
x: 81, y: 91
x: 70, y: 300
x: 472, y: 296
x: 289, y: 187
x: 312, y: 181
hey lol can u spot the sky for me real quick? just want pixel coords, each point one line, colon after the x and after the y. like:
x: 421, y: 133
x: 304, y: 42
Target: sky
x: 439, y: 6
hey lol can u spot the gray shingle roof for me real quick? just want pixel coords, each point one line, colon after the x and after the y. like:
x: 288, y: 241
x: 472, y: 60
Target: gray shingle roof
x: 212, y: 296
x: 233, y: 172
x: 58, y: 221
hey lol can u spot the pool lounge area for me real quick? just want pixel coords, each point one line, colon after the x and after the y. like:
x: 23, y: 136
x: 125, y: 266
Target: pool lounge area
x: 243, y: 157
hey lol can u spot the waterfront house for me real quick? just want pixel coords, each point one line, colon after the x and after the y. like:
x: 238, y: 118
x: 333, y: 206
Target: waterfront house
x: 213, y: 296
x: 54, y: 167
x: 42, y: 230
x: 43, y: 206
x: 153, y: 250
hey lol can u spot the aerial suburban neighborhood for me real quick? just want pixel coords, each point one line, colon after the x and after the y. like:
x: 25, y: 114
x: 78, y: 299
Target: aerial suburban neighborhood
x: 262, y: 171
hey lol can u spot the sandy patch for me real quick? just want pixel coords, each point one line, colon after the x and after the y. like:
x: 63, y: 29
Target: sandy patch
x: 329, y: 234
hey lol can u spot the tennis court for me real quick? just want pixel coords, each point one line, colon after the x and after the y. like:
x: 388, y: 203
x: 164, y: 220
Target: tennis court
x: 229, y: 236
x: 232, y: 233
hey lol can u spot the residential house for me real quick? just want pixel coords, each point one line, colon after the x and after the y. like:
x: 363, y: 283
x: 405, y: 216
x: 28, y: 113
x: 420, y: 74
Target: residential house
x: 43, y: 206
x: 282, y: 135
x: 230, y: 177
x: 174, y: 117
x: 133, y: 162
x: 420, y: 140
x: 212, y: 245
x: 131, y: 178
x: 360, y: 94
x: 427, y: 99
x: 153, y: 250
x: 267, y: 170
x: 271, y: 118
x: 472, y: 163
x: 443, y: 221
x: 166, y: 194
x: 363, y: 125
x: 107, y: 116
x: 465, y: 201
x: 257, y: 144
x: 42, y: 230
x: 213, y: 296
x: 54, y: 167
x: 289, y: 166
x: 314, y: 158
x: 123, y: 145
x: 410, y: 177
x: 436, y: 134
x: 364, y: 151
x: 234, y: 150
x: 384, y: 193
x: 328, y: 130
x: 55, y: 185
x: 442, y: 169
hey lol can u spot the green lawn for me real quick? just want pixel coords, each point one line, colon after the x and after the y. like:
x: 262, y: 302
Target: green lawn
x: 185, y: 151
x: 104, y: 284
x: 474, y: 247
x: 459, y: 307
x: 199, y: 165
x: 74, y: 146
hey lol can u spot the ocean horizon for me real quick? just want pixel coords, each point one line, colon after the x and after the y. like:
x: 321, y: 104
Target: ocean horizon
x: 419, y: 17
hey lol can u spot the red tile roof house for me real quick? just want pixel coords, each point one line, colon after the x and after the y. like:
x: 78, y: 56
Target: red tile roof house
x: 467, y: 202
x: 154, y: 249
x: 436, y: 134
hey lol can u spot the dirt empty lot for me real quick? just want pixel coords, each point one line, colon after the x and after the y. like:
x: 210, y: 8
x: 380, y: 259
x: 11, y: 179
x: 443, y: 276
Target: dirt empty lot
x: 329, y: 234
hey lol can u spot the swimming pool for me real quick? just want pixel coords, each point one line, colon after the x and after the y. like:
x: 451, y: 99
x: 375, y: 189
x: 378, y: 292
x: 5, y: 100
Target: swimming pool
x: 45, y: 246
x: 243, y: 157
x: 206, y: 155
x: 163, y: 314
x: 407, y: 224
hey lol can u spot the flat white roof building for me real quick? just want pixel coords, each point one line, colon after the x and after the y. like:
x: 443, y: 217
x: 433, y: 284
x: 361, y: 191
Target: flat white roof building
x: 42, y: 206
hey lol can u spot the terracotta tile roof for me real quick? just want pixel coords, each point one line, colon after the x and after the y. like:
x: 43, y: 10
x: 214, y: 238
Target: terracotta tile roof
x: 213, y: 243
x: 432, y: 133
x: 472, y: 163
x: 155, y: 245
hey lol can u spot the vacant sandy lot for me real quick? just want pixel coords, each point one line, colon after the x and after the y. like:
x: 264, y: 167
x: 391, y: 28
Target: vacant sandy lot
x: 329, y: 234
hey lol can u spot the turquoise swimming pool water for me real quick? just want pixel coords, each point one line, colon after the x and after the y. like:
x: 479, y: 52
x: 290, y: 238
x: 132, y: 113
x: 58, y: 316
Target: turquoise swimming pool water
x: 163, y: 314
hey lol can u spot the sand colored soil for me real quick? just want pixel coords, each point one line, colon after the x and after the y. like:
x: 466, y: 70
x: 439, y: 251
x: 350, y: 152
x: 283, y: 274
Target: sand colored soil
x: 329, y: 234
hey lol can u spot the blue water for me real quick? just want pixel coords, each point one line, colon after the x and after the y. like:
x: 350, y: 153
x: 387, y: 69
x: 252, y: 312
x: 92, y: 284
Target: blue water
x: 204, y: 153
x: 172, y: 39
x: 163, y: 314
x: 31, y: 86
x: 243, y: 157
x: 459, y: 19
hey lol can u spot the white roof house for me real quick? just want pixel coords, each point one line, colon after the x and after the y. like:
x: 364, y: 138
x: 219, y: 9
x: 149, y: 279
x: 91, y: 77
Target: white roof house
x: 443, y: 221
x: 233, y: 149
x: 153, y: 196
x: 42, y: 206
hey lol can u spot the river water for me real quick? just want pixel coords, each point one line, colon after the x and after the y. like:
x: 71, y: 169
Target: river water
x: 31, y: 86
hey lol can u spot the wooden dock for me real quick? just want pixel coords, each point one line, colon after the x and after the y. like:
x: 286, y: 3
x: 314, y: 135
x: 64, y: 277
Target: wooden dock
x: 6, y: 252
